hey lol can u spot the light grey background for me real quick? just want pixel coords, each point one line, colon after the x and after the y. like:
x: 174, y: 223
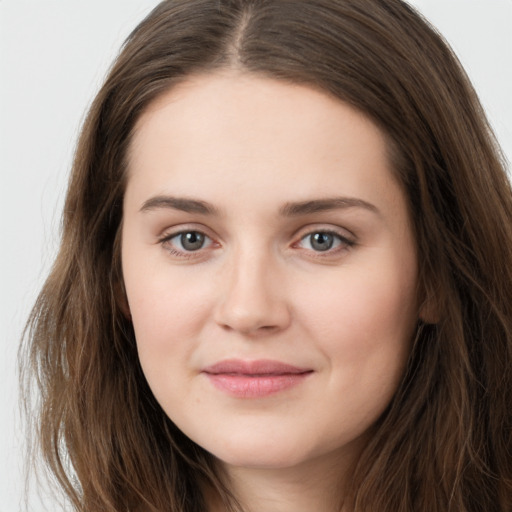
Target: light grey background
x: 53, y: 56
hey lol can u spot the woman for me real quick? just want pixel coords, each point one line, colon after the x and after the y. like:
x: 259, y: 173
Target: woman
x: 284, y: 280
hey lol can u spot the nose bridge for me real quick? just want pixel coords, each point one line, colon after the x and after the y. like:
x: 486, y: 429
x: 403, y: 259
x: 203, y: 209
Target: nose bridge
x: 252, y: 299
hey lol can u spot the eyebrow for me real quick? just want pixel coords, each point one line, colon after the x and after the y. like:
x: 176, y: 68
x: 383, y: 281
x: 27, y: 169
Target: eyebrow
x: 291, y: 209
x: 323, y: 205
x: 179, y: 203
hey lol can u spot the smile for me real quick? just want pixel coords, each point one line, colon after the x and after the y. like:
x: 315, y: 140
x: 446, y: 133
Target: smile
x: 254, y: 379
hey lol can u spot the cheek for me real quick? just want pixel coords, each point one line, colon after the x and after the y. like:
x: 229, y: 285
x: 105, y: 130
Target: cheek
x: 365, y: 336
x: 365, y: 327
x: 167, y: 315
x: 365, y: 307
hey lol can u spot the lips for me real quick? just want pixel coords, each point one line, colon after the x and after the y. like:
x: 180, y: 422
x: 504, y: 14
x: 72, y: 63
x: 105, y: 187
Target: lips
x: 254, y: 379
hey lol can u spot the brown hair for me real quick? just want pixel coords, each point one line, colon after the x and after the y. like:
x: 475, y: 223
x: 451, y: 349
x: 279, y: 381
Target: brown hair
x: 445, y: 443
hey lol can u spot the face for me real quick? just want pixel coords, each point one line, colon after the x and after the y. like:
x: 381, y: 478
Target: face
x: 270, y: 268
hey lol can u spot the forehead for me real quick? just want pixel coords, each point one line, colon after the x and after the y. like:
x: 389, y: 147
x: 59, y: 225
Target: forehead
x: 226, y: 133
x: 255, y: 105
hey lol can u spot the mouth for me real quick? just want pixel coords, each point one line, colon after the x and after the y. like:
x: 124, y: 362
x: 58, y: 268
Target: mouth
x: 254, y: 379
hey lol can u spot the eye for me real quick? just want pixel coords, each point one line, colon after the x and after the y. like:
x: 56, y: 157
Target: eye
x: 324, y: 241
x: 191, y: 241
x: 186, y: 242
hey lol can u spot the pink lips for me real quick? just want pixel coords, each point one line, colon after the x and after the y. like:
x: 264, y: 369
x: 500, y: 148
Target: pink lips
x: 254, y: 379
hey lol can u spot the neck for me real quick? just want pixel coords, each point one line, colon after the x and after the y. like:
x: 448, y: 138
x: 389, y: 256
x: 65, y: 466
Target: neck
x: 317, y: 485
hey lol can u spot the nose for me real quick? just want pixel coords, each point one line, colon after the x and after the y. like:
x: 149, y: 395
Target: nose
x: 252, y: 296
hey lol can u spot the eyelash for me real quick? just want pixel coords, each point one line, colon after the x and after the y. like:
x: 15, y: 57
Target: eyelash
x: 165, y: 241
x: 344, y: 243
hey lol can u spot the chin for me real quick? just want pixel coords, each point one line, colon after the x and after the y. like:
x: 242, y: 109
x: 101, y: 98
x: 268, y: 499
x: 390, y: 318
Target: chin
x: 252, y: 451
x: 255, y: 459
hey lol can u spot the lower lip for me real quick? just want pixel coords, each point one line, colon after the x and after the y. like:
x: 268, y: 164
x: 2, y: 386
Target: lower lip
x: 255, y: 386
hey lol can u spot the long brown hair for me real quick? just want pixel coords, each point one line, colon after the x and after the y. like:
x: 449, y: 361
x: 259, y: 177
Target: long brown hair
x: 445, y: 442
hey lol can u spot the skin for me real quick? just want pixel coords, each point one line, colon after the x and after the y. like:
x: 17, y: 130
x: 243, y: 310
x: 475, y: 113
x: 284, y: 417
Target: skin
x: 259, y: 288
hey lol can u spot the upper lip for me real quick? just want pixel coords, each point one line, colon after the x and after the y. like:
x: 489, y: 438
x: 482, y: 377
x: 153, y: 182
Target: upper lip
x: 258, y: 367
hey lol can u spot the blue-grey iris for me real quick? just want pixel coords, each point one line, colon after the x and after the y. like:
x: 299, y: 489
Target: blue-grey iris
x: 321, y: 241
x: 192, y: 241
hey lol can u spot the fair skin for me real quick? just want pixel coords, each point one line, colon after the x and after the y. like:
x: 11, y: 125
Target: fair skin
x: 262, y: 222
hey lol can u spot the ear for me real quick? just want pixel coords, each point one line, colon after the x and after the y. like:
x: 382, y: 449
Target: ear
x: 122, y: 300
x: 429, y: 314
x: 430, y: 308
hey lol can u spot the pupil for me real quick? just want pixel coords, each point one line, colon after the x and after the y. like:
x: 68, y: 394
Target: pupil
x: 322, y: 241
x: 192, y: 241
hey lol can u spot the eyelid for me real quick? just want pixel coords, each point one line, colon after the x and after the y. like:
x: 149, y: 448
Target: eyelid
x: 346, y: 238
x: 169, y: 233
x: 339, y: 231
x: 171, y: 236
